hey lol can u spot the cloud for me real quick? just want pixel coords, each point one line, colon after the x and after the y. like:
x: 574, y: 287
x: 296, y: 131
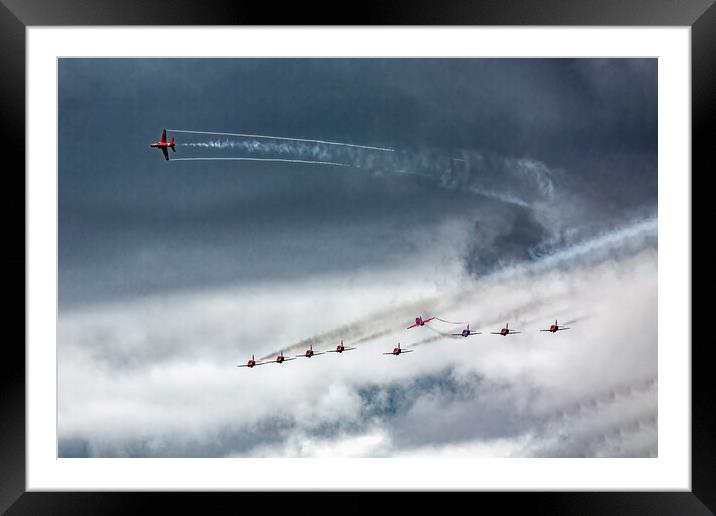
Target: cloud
x: 164, y: 381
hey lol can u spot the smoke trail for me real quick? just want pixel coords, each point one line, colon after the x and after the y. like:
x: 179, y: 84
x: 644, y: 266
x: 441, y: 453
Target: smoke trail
x: 317, y: 152
x: 631, y: 238
x: 449, y: 322
x: 508, y: 180
x: 625, y: 239
x: 265, y: 159
x: 269, y: 137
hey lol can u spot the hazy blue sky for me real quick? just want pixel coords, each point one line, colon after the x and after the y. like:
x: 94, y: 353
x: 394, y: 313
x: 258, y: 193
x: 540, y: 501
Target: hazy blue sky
x: 496, y: 165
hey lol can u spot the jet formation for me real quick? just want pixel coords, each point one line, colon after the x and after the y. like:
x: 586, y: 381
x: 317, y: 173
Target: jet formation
x: 164, y: 145
x: 397, y: 351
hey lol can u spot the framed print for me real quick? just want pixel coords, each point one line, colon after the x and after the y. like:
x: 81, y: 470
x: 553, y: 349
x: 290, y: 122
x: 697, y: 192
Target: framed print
x: 450, y: 255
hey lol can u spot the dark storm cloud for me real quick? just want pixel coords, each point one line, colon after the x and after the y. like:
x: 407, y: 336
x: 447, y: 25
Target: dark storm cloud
x: 505, y: 241
x: 131, y: 224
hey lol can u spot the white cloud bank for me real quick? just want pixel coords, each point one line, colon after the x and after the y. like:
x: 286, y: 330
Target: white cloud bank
x: 157, y: 377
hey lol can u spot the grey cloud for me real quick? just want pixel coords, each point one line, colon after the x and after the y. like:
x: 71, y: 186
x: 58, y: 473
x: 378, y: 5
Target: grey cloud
x: 460, y: 393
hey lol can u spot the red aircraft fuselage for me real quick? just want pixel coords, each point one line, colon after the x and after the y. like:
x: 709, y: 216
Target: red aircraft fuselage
x: 397, y: 351
x: 163, y: 144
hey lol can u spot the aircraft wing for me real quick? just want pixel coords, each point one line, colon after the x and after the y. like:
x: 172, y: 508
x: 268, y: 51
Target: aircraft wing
x: 389, y: 353
x: 412, y: 325
x: 475, y: 333
x: 545, y: 330
x: 164, y: 136
x: 457, y: 334
x: 496, y: 333
x: 166, y: 154
x: 428, y: 319
x: 407, y: 350
x: 348, y: 349
x: 514, y: 331
x: 565, y: 328
x: 287, y: 359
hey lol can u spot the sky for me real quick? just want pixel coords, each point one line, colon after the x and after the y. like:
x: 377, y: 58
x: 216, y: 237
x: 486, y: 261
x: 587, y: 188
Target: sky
x: 494, y: 190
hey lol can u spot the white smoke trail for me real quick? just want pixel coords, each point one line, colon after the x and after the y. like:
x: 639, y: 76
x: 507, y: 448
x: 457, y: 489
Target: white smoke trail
x: 629, y: 238
x: 298, y: 150
x: 509, y: 199
x: 324, y: 142
x: 476, y: 174
x: 265, y: 159
x: 516, y: 181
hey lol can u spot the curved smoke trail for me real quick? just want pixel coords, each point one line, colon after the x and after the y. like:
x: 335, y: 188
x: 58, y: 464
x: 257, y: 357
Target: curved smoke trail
x: 516, y: 181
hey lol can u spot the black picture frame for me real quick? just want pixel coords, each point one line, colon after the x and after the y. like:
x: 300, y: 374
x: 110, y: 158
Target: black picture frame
x: 16, y: 15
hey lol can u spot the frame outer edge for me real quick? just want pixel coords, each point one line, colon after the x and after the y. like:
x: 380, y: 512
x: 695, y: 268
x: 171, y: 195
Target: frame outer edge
x: 12, y: 426
x: 371, y: 12
x: 12, y: 365
x: 703, y: 109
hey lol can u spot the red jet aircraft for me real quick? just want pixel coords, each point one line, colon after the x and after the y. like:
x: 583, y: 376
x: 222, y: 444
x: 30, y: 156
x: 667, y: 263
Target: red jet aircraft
x: 280, y: 359
x: 340, y: 348
x: 309, y: 352
x: 419, y: 321
x: 505, y: 331
x: 251, y: 363
x: 556, y: 327
x: 163, y: 144
x: 466, y: 332
x: 397, y: 351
